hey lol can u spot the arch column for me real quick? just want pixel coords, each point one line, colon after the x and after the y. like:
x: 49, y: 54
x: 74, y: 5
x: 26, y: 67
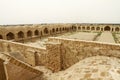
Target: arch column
x: 4, y: 37
x: 25, y: 35
x: 16, y: 36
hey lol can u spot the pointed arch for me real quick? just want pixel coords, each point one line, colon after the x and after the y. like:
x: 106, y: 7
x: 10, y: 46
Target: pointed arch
x: 93, y: 28
x: 46, y: 31
x: 88, y: 28
x: 53, y: 30
x: 74, y: 28
x: 56, y: 29
x: 83, y: 28
x: 10, y: 36
x: 36, y: 32
x: 107, y: 28
x: 29, y: 33
x: 98, y: 28
x: 20, y: 34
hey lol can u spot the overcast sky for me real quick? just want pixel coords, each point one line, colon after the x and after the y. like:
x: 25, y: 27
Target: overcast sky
x: 59, y: 11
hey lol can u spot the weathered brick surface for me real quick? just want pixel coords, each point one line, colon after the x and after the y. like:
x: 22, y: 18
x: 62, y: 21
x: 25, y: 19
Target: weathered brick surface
x: 13, y: 69
x: 2, y: 70
x: 73, y: 51
x: 28, y: 52
x: 53, y: 56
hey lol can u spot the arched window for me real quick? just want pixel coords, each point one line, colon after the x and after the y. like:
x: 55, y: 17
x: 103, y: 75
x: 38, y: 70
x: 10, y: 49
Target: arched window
x: 46, y: 31
x: 29, y: 33
x: 36, y: 32
x: 10, y: 36
x: 20, y: 34
x: 1, y: 37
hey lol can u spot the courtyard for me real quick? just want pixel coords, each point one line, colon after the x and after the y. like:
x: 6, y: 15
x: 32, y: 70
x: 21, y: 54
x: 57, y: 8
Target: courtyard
x: 106, y: 37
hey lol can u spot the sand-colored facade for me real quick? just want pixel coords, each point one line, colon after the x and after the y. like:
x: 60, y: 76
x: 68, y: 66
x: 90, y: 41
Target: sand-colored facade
x: 25, y: 32
x: 59, y: 53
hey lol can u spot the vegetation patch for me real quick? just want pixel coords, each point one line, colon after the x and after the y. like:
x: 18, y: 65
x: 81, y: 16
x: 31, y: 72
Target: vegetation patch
x: 115, y: 38
x: 95, y: 38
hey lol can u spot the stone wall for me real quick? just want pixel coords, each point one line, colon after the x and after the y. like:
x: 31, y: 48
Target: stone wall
x: 27, y: 52
x: 31, y: 32
x: 15, y: 69
x: 60, y: 53
x: 49, y: 56
x: 53, y: 56
x: 74, y: 50
x: 16, y: 72
x: 2, y: 70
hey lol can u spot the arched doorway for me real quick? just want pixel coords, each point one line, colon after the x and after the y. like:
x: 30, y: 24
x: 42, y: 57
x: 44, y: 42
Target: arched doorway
x: 93, y: 28
x: 10, y: 36
x: 56, y: 29
x: 45, y: 31
x: 79, y: 28
x: 98, y: 28
x: 107, y: 28
x: 53, y: 30
x: 63, y: 28
x: 20, y: 34
x: 29, y: 33
x: 83, y: 28
x: 74, y: 28
x: 88, y: 28
x: 36, y: 32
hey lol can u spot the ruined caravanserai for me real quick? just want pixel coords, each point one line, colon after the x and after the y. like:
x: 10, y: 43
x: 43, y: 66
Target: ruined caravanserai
x: 60, y: 52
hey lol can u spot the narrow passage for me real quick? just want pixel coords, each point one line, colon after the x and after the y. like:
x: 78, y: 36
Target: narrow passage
x: 106, y: 37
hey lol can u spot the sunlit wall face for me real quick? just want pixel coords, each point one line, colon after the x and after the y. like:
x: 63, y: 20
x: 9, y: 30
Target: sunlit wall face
x: 59, y: 11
